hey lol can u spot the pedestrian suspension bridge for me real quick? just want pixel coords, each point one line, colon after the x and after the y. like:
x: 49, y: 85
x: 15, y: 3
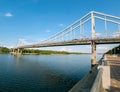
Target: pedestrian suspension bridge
x: 92, y: 29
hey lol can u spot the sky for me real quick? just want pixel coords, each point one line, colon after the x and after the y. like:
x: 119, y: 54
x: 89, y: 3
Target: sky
x: 36, y: 20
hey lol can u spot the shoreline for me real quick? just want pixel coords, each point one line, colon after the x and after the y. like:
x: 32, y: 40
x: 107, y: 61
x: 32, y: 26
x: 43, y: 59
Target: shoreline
x: 86, y: 83
x: 101, y: 80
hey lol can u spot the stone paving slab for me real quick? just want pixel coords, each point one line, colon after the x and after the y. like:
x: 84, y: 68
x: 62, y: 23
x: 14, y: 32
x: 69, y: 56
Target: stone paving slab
x: 114, y: 62
x: 115, y: 78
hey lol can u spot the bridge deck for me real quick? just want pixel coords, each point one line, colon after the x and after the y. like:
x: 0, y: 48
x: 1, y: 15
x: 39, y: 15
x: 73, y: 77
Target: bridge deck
x: 85, y: 41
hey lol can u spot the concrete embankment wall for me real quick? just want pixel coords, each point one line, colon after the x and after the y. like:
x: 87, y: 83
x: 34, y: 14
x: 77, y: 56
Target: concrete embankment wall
x: 97, y: 86
x: 102, y: 81
x: 85, y: 84
x: 97, y: 81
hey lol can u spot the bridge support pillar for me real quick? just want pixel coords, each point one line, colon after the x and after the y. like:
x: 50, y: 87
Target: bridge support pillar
x: 12, y: 51
x: 19, y: 51
x: 93, y: 49
x: 16, y: 51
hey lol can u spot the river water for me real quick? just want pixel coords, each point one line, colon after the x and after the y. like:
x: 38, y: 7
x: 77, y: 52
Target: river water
x: 42, y: 73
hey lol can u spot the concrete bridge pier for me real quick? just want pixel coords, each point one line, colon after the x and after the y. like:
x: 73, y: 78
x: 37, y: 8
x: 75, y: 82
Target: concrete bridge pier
x: 19, y: 51
x: 16, y: 51
x: 93, y: 49
x: 12, y: 51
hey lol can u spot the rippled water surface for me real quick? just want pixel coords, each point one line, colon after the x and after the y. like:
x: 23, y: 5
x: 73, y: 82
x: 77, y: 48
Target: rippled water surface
x: 42, y: 73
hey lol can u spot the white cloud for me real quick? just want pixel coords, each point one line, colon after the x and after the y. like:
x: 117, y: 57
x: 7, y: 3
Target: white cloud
x: 99, y: 48
x: 97, y: 34
x: 103, y: 47
x: 8, y: 14
x: 87, y: 46
x: 10, y: 47
x: 116, y: 34
x: 63, y: 49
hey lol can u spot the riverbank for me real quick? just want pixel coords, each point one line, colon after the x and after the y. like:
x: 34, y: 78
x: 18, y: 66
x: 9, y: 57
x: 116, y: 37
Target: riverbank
x: 88, y: 81
x: 44, y: 52
x: 5, y: 50
x: 59, y: 53
x: 99, y: 80
x: 105, y: 77
x: 85, y: 84
x: 49, y: 52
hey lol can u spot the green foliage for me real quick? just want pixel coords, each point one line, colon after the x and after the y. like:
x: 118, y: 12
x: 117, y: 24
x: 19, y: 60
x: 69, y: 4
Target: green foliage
x: 37, y: 52
x: 4, y: 50
x: 31, y: 51
x: 115, y: 50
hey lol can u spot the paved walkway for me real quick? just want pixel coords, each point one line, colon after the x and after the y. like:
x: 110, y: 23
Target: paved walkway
x: 114, y: 62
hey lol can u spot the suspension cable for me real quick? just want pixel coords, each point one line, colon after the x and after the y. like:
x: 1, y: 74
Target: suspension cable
x: 106, y: 27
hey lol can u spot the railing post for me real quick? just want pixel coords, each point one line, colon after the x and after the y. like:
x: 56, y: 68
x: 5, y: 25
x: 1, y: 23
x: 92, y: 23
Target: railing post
x: 74, y: 35
x: 106, y: 27
x: 81, y: 29
x: 71, y: 33
x: 93, y: 45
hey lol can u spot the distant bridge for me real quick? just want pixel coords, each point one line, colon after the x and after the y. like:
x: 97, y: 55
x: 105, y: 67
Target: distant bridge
x: 92, y: 29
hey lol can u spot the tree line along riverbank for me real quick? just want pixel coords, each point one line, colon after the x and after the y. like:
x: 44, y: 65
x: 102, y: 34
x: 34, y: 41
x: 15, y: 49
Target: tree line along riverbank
x: 6, y: 50
x: 3, y: 50
x: 33, y: 51
x: 115, y: 50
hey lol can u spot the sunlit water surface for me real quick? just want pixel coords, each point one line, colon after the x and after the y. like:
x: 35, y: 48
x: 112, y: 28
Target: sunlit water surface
x: 42, y: 73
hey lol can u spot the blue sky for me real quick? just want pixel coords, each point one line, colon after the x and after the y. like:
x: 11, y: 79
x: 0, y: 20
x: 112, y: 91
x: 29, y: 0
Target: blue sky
x: 35, y: 20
